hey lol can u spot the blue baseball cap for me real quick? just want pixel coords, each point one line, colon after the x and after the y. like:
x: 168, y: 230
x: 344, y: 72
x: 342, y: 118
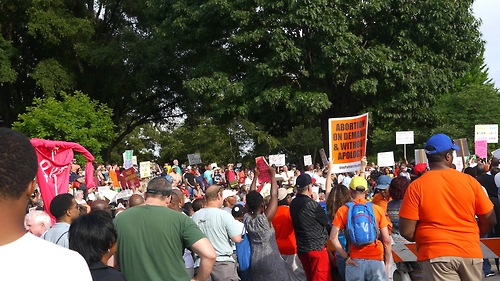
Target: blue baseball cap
x: 439, y: 143
x: 383, y: 182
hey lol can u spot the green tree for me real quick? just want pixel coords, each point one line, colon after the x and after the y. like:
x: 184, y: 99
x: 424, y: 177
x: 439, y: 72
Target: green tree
x: 281, y: 63
x: 474, y: 100
x: 106, y: 49
x: 74, y: 118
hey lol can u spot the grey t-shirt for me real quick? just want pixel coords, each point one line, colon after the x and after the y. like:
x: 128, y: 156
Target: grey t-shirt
x: 58, y: 234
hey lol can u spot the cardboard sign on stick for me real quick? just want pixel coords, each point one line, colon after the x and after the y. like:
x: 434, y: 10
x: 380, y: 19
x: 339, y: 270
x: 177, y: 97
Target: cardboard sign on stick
x: 405, y: 137
x: 481, y: 148
x: 347, y: 141
x: 420, y: 156
x: 462, y: 143
x: 488, y: 132
x: 324, y: 159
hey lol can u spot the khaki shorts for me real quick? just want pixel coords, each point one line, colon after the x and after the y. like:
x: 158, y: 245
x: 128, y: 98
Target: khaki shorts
x: 452, y: 269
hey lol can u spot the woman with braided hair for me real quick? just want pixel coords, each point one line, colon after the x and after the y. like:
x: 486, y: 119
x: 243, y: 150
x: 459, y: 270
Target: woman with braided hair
x: 266, y: 262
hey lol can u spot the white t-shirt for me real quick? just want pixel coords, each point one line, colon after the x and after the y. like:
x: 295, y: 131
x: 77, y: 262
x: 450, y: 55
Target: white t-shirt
x: 54, y: 263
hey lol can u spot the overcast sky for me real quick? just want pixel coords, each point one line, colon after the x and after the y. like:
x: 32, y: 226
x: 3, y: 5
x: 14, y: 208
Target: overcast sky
x: 489, y: 12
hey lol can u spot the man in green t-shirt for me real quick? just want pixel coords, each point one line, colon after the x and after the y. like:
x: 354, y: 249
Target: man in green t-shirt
x: 152, y: 239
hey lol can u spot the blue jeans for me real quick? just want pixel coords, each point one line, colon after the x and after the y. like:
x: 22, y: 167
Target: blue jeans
x: 486, y: 266
x: 341, y: 266
x: 367, y: 270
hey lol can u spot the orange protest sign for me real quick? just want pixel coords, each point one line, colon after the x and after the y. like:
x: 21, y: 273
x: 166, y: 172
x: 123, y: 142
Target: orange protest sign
x: 347, y: 140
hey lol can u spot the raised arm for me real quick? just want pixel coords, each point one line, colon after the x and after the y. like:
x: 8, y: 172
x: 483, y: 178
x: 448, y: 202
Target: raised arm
x: 329, y: 177
x: 253, y: 186
x: 364, y: 162
x: 273, y: 203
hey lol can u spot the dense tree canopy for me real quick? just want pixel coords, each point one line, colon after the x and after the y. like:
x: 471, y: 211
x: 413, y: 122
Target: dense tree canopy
x: 270, y: 72
x: 76, y: 118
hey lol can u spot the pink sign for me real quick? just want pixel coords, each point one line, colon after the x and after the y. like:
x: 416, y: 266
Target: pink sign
x: 263, y: 167
x: 481, y: 148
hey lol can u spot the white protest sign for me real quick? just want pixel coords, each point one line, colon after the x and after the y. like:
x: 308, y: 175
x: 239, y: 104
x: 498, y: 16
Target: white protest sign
x: 127, y: 158
x: 277, y: 160
x: 145, y: 169
x: 459, y: 164
x: 420, y: 156
x: 194, y: 158
x: 488, y: 132
x: 307, y: 160
x: 404, y: 137
x: 385, y: 159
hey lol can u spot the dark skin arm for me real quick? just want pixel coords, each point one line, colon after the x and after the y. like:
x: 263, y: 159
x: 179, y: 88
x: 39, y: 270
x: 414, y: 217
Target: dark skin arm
x: 273, y: 203
x: 253, y: 186
x: 486, y: 222
x: 407, y: 228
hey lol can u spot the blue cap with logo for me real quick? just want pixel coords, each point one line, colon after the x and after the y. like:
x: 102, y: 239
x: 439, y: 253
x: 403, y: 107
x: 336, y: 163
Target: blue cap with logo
x: 439, y: 143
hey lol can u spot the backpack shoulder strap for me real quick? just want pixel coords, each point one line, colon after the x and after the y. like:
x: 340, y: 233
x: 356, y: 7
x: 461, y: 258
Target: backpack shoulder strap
x: 61, y: 236
x: 372, y: 211
x: 348, y: 226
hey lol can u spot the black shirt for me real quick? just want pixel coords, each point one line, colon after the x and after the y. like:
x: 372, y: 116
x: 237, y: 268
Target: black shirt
x: 102, y: 272
x: 488, y: 181
x: 310, y: 224
x: 190, y: 178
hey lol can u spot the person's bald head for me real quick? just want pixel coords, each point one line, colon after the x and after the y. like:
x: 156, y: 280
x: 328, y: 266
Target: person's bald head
x: 135, y: 200
x: 100, y: 205
x: 481, y: 169
x: 177, y: 200
x: 212, y: 193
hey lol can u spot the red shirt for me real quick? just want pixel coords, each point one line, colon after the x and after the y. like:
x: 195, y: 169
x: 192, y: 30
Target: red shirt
x: 285, y: 236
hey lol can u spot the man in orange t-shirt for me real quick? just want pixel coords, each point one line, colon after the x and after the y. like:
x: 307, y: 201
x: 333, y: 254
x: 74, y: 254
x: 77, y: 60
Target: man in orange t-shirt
x: 285, y: 235
x: 439, y: 213
x: 370, y: 262
x: 383, y: 197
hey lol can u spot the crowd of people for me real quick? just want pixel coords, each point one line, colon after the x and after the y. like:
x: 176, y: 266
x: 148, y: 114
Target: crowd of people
x: 186, y: 222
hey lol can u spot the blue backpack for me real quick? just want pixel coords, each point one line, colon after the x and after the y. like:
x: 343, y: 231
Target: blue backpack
x: 362, y: 228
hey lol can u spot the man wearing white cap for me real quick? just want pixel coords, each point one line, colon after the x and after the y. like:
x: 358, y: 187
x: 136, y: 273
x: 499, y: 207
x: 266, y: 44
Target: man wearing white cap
x: 228, y: 200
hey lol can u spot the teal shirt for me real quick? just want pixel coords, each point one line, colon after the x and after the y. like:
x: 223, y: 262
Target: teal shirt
x: 151, y: 243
